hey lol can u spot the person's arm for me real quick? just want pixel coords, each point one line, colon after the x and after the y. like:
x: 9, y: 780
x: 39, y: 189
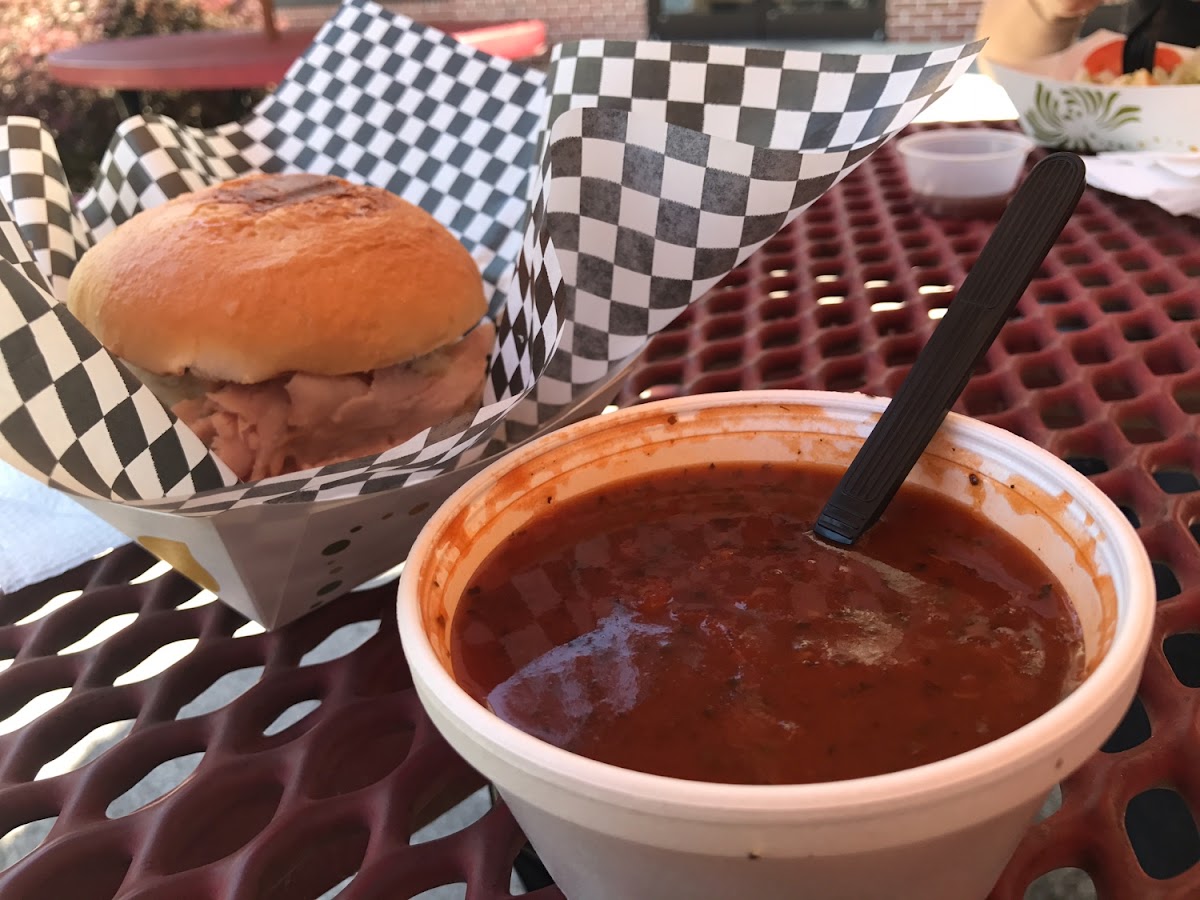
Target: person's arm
x: 1020, y: 30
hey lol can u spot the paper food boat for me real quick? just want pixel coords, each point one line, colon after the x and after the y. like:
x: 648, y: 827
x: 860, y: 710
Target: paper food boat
x: 1057, y: 110
x: 599, y: 199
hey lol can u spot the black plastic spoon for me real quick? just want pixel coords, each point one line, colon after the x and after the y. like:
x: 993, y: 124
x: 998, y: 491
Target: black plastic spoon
x: 1024, y: 235
x: 1141, y: 44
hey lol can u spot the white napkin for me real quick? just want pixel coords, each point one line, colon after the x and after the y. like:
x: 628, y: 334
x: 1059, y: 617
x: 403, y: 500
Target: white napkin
x: 44, y: 532
x: 1169, y: 180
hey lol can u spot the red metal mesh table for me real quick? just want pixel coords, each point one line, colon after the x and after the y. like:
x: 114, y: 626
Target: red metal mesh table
x: 1099, y: 365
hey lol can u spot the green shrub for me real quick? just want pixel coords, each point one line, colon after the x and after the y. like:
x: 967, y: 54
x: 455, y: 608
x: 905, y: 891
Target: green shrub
x: 83, y: 121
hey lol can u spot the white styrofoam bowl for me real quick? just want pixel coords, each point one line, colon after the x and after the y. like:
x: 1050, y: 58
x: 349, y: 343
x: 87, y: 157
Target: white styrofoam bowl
x: 937, y: 832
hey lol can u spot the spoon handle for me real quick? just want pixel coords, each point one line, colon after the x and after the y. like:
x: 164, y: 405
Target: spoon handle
x: 1024, y: 235
x: 1141, y: 44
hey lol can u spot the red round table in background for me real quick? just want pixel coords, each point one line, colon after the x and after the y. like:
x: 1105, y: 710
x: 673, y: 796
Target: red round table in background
x: 1100, y: 365
x: 238, y: 60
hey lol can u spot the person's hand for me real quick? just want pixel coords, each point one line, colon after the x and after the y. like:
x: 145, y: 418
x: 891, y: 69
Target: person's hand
x: 1055, y: 10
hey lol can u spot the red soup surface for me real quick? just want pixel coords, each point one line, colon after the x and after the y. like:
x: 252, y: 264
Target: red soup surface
x: 689, y: 624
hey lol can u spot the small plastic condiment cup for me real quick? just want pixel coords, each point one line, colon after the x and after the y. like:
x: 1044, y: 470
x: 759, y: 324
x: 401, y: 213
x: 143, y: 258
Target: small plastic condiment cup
x: 964, y: 173
x: 942, y: 831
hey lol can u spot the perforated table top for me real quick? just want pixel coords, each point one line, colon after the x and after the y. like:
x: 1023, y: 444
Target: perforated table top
x: 324, y: 767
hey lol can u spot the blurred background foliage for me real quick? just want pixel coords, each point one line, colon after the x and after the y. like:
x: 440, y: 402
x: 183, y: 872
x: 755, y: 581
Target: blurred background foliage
x: 83, y: 121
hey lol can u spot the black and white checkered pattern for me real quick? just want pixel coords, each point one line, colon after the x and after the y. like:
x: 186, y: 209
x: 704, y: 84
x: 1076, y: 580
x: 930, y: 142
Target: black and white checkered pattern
x: 72, y: 415
x: 34, y: 186
x: 382, y: 100
x: 781, y: 99
x: 716, y: 157
x: 151, y: 160
x: 661, y: 167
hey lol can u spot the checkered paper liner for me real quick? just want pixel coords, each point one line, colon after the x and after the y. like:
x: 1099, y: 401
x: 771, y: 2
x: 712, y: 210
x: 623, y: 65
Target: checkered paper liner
x: 599, y: 200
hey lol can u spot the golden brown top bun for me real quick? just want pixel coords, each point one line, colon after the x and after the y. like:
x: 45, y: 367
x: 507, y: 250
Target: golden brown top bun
x: 269, y: 274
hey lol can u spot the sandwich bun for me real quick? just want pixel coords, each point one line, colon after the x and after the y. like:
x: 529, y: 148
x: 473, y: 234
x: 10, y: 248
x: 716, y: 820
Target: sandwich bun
x: 292, y: 321
x: 270, y: 274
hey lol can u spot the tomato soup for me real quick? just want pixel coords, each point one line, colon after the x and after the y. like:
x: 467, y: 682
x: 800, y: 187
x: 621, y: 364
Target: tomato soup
x: 689, y: 624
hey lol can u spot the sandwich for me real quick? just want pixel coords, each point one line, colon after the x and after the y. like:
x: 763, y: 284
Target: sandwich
x: 293, y: 320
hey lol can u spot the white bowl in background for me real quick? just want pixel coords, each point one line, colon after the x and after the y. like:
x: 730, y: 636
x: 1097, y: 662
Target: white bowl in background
x: 1056, y: 110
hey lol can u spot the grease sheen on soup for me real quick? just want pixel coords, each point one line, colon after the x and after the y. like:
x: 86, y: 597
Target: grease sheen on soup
x: 688, y: 624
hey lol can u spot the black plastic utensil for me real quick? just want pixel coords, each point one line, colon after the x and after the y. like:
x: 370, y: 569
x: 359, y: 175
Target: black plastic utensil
x: 1024, y: 235
x: 1142, y: 40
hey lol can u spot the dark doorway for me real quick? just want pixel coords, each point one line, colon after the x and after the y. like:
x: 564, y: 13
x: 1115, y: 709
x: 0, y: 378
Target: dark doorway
x: 766, y: 19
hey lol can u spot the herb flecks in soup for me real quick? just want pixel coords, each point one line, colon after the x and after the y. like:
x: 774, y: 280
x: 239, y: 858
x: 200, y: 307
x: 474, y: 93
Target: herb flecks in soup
x: 689, y: 624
